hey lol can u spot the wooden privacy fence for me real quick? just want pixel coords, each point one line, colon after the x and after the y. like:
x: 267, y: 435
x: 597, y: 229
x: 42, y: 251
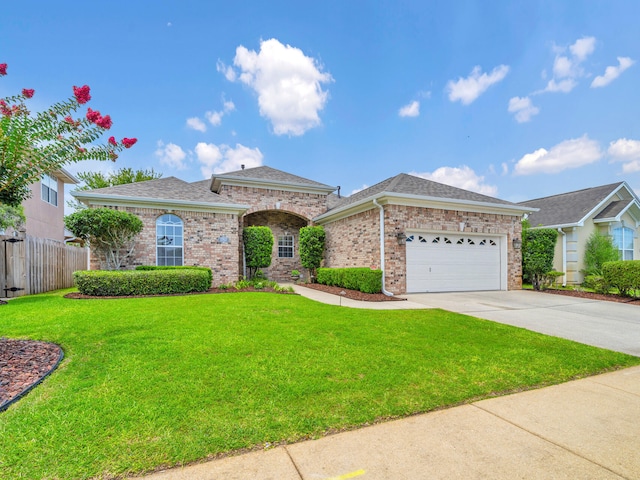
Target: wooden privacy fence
x: 31, y: 265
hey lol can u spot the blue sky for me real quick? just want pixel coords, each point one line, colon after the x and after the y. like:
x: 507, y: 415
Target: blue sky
x: 514, y: 99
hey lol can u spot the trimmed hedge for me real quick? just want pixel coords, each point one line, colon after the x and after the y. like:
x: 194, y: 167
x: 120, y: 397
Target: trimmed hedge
x: 362, y: 279
x: 182, y: 267
x: 623, y: 275
x: 140, y: 282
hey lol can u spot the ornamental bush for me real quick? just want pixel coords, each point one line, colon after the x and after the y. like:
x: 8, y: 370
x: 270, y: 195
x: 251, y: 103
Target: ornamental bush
x: 312, y: 247
x: 623, y: 275
x: 176, y: 267
x: 141, y: 282
x: 363, y: 279
x: 538, y: 248
x: 258, y: 245
x: 598, y: 250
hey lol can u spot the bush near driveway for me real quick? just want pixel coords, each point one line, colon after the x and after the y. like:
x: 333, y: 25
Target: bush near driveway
x: 623, y: 275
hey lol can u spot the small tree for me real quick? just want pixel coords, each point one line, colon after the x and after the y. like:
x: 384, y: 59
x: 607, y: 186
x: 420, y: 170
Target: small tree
x: 258, y: 245
x: 598, y: 250
x: 110, y: 233
x: 11, y: 216
x: 537, y: 253
x: 32, y: 145
x: 312, y: 248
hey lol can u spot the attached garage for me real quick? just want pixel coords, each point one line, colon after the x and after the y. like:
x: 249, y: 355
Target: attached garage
x: 446, y: 262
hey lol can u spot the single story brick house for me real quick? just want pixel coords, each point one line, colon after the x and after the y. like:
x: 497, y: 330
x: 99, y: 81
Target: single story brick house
x: 612, y: 210
x: 425, y: 236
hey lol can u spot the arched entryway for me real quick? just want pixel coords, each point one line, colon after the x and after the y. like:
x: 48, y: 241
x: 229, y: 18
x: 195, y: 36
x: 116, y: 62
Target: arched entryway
x: 285, y: 227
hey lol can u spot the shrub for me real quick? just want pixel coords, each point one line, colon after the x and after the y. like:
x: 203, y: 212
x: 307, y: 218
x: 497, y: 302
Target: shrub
x: 597, y: 283
x: 362, y: 279
x: 258, y: 244
x: 141, y: 282
x: 623, y: 275
x: 312, y: 247
x: 550, y: 278
x: 598, y: 250
x: 537, y: 254
x: 176, y: 267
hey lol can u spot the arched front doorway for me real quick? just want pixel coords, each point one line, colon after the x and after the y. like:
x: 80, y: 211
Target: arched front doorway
x: 285, y: 227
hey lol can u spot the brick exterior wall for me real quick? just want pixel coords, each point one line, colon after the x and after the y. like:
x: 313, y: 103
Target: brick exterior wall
x: 201, y: 231
x: 307, y: 205
x: 355, y: 241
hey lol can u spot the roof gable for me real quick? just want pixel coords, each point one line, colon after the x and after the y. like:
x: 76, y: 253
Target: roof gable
x: 573, y: 208
x: 268, y: 177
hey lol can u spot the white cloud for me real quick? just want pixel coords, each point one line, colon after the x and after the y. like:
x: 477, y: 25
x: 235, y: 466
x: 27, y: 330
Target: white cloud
x: 505, y: 168
x: 466, y: 90
x: 171, y: 155
x: 612, y: 72
x: 223, y: 158
x: 569, y: 154
x: 462, y: 177
x: 227, y: 71
x: 356, y: 190
x: 568, y: 68
x: 410, y: 110
x: 626, y: 151
x: 288, y: 84
x: 523, y: 108
x: 195, y: 123
x: 214, y: 118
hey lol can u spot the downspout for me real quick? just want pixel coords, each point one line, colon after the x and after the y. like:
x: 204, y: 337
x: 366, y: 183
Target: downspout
x: 564, y: 256
x: 375, y: 202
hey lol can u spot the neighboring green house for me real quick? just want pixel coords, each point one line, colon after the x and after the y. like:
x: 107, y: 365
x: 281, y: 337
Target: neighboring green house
x: 612, y: 210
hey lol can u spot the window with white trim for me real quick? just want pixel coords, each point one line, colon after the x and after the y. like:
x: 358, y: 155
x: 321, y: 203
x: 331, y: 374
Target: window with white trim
x: 623, y: 240
x: 49, y: 189
x: 169, y: 240
x: 285, y: 246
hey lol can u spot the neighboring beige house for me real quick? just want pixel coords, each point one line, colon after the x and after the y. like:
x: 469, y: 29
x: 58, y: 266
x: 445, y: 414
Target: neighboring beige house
x: 44, y: 210
x: 425, y: 236
x: 612, y: 210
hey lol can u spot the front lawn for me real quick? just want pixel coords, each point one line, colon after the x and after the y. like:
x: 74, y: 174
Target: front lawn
x: 151, y: 382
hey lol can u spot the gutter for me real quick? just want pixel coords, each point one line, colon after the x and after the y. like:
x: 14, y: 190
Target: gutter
x: 375, y: 202
x: 564, y: 256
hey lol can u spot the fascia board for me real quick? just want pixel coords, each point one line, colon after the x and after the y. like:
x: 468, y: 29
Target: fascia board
x: 626, y: 209
x: 559, y: 225
x: 217, y: 182
x: 421, y: 201
x: 123, y: 201
x: 604, y: 202
x: 66, y: 177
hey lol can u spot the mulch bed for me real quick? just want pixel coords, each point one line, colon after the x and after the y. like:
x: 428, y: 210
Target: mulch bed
x: 594, y: 296
x: 23, y: 365
x: 352, y: 294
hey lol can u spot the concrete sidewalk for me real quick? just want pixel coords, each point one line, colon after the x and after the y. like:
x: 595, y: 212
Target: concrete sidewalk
x: 585, y: 429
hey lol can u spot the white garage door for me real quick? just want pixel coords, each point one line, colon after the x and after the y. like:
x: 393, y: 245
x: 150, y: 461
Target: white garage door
x: 446, y: 262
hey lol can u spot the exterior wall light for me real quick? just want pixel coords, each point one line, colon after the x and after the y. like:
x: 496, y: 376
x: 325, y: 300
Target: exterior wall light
x: 223, y: 239
x: 401, y: 237
x: 517, y: 243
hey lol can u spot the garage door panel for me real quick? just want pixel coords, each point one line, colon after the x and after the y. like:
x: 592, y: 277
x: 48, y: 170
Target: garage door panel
x: 440, y: 263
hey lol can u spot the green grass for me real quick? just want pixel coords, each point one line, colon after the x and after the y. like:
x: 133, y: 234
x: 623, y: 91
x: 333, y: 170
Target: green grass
x: 161, y: 381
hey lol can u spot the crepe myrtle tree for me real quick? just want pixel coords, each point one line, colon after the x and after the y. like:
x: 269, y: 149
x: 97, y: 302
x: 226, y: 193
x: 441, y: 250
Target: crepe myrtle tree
x: 111, y: 234
x: 35, y: 144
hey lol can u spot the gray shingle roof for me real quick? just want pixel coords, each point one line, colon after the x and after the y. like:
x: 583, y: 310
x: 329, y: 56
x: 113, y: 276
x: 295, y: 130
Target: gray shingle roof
x: 568, y: 208
x: 412, y: 185
x: 271, y: 174
x: 169, y: 188
x: 613, y: 209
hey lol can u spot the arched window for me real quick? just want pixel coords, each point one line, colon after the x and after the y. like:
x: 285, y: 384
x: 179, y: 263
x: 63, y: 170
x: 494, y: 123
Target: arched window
x: 623, y: 240
x: 169, y: 247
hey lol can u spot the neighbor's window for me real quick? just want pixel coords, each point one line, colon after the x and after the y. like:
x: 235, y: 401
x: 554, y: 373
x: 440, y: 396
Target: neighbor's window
x: 49, y: 189
x: 169, y: 248
x: 285, y: 246
x: 623, y: 240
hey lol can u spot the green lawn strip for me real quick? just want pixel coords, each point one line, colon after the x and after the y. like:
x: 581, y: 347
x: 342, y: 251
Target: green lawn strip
x: 161, y: 381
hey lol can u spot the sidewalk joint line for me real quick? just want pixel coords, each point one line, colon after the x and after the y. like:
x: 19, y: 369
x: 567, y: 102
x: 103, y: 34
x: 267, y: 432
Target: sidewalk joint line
x: 295, y: 465
x: 548, y: 440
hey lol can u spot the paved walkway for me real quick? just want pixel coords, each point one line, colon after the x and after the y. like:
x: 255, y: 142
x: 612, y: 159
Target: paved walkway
x: 585, y: 429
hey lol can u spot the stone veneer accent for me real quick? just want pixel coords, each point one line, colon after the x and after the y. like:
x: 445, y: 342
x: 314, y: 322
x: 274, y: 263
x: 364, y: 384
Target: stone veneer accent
x: 201, y: 247
x: 355, y: 241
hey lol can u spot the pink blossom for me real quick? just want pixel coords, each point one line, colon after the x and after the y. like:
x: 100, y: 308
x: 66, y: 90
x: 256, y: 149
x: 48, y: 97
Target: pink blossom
x: 3, y: 69
x: 129, y: 142
x: 4, y: 108
x: 28, y: 92
x: 69, y: 120
x: 105, y: 122
x: 112, y: 141
x: 82, y: 94
x: 93, y: 115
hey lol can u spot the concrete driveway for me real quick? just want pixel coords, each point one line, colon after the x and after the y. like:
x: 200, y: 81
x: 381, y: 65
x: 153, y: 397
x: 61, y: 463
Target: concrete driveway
x: 611, y: 325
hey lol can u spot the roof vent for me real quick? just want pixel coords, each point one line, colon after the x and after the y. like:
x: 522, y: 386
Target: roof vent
x: 242, y: 166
